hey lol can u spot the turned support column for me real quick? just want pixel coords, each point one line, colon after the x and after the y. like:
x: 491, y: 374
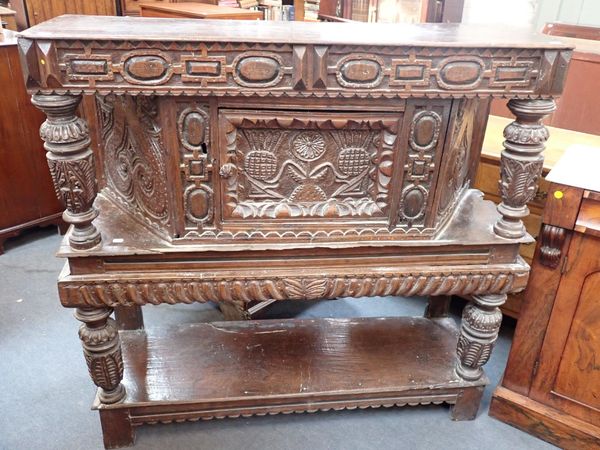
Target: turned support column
x: 102, y: 351
x: 71, y: 163
x: 479, y: 329
x: 521, y: 163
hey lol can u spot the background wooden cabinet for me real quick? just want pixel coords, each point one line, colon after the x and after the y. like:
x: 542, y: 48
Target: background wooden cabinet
x: 41, y: 10
x: 551, y: 384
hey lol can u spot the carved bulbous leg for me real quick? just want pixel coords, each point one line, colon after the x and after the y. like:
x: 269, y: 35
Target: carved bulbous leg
x: 102, y: 351
x: 478, y: 333
x: 71, y: 163
x: 521, y: 163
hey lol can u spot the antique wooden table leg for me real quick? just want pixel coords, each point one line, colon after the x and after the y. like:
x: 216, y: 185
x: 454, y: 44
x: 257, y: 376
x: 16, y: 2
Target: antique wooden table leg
x: 129, y: 317
x: 71, y: 163
x: 102, y: 351
x: 478, y: 333
x: 521, y: 163
x: 438, y: 306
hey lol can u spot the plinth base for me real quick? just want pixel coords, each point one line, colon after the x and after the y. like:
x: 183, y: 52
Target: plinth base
x: 232, y: 369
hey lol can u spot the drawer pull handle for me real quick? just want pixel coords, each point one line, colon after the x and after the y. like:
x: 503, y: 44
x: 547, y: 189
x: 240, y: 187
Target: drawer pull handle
x: 227, y: 170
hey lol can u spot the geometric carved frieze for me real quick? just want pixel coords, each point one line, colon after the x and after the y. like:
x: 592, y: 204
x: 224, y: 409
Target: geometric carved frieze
x: 201, y: 68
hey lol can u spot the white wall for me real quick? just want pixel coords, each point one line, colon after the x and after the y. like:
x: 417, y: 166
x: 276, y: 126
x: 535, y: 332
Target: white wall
x: 505, y: 12
x: 533, y: 13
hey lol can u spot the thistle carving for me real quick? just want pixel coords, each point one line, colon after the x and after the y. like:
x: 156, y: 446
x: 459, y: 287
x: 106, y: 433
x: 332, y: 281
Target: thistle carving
x: 71, y: 164
x: 478, y: 334
x: 102, y: 352
x: 521, y: 163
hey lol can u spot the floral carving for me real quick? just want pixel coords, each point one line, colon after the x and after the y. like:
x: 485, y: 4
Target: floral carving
x: 283, y: 171
x: 309, y: 145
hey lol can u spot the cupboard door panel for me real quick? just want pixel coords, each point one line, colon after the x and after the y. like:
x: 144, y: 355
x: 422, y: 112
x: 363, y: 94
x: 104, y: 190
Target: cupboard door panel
x: 568, y: 376
x: 579, y: 371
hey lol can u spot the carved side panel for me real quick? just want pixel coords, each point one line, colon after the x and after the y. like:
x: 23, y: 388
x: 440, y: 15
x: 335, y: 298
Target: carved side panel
x: 455, y: 173
x: 425, y: 128
x: 307, y: 166
x: 135, y: 157
x: 196, y: 165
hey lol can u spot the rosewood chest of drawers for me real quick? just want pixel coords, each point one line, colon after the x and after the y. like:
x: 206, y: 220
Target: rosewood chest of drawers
x: 243, y: 161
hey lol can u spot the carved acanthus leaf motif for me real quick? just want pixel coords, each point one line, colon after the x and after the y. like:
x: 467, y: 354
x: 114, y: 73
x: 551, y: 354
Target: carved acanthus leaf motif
x: 74, y: 182
x: 107, y: 370
x: 519, y: 181
x: 526, y: 134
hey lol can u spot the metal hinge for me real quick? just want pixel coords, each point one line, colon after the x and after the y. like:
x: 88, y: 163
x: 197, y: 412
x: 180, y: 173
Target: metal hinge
x: 536, y: 366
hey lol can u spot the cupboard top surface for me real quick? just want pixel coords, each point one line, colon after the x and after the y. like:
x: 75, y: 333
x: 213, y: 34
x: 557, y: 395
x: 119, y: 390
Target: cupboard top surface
x: 381, y: 34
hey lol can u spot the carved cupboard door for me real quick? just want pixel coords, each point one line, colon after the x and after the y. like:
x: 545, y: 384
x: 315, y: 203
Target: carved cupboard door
x: 568, y: 375
x: 307, y: 167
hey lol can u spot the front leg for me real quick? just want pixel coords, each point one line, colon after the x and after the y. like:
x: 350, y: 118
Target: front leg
x: 478, y: 333
x: 71, y: 162
x: 521, y: 163
x: 102, y: 351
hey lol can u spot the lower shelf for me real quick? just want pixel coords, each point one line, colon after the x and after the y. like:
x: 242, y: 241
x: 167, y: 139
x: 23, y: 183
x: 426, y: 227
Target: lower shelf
x: 231, y: 369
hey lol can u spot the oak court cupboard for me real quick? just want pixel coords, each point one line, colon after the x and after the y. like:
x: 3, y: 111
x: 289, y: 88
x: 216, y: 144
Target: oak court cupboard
x: 247, y: 161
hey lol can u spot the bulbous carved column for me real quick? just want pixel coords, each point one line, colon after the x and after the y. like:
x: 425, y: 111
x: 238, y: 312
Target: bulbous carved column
x: 521, y: 163
x: 102, y: 351
x: 71, y: 163
x: 478, y: 333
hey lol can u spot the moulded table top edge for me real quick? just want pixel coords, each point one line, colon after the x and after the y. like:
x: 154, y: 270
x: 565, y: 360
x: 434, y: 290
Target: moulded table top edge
x: 73, y: 27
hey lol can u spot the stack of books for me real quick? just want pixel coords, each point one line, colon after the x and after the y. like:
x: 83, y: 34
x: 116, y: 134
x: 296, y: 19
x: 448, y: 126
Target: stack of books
x: 311, y: 10
x: 276, y: 10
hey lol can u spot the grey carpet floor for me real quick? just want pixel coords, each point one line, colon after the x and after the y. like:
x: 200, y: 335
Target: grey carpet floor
x: 45, y: 392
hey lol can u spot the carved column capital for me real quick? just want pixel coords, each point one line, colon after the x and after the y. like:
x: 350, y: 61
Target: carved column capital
x: 521, y: 163
x: 102, y: 350
x: 71, y: 163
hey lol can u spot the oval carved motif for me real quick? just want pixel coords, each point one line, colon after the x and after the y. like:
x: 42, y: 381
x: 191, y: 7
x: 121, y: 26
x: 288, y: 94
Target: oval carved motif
x: 463, y: 73
x: 413, y: 203
x: 425, y: 130
x: 193, y: 128
x: 199, y: 205
x: 258, y: 69
x: 146, y: 68
x: 361, y: 71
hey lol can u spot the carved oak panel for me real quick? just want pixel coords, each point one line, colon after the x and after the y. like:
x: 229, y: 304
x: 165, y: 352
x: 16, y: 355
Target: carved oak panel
x: 307, y: 166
